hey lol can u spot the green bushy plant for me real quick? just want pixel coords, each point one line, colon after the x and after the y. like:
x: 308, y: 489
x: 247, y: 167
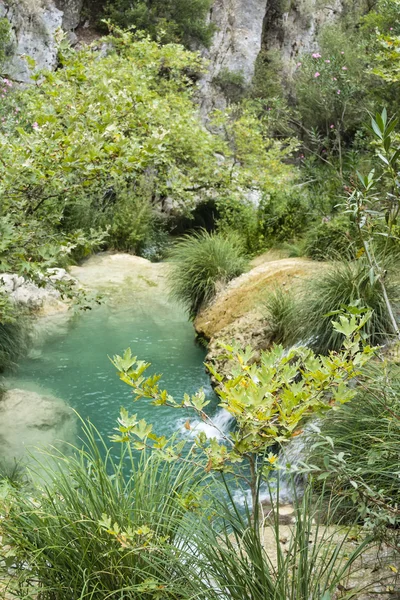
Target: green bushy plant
x: 232, y: 84
x: 241, y: 216
x: 331, y: 238
x: 5, y: 36
x: 14, y: 333
x: 312, y: 562
x: 331, y: 86
x: 168, y: 20
x: 283, y: 215
x: 131, y: 221
x: 343, y: 284
x: 202, y: 262
x: 94, y: 525
x: 269, y: 400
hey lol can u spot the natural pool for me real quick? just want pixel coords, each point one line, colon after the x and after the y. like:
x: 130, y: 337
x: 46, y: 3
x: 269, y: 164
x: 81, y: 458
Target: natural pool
x: 70, y: 362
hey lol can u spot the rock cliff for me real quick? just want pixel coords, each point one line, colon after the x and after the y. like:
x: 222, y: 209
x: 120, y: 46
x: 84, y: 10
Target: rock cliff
x: 35, y: 29
x: 243, y: 29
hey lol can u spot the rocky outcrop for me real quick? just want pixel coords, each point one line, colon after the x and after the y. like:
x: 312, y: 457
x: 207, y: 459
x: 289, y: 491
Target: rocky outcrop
x: 71, y: 10
x: 292, y: 28
x: 35, y: 34
x: 33, y: 297
x: 237, y: 313
x: 244, y: 28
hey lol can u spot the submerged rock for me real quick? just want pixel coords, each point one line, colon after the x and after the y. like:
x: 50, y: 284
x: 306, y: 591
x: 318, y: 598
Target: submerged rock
x: 30, y: 420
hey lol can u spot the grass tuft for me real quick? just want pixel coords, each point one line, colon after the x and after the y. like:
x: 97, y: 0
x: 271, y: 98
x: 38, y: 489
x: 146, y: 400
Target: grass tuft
x: 201, y: 263
x: 344, y: 284
x: 92, y: 526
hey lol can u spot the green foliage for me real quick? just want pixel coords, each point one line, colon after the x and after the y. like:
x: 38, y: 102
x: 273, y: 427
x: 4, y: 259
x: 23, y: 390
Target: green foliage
x: 5, y: 31
x: 280, y: 307
x: 344, y: 284
x: 330, y: 86
x: 132, y: 221
x: 241, y: 217
x: 168, y: 20
x: 94, y: 525
x: 282, y: 215
x: 267, y: 80
x: 279, y: 216
x: 14, y: 334
x: 269, y: 401
x: 331, y: 239
x: 201, y: 263
x: 232, y: 84
x: 333, y: 89
x: 360, y: 445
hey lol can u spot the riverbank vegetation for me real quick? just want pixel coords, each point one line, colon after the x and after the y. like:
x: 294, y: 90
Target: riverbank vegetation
x: 109, y: 152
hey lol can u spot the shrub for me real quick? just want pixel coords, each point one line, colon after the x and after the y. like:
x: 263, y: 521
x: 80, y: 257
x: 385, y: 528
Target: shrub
x: 169, y: 20
x: 14, y: 334
x: 282, y: 215
x: 96, y: 526
x: 232, y: 84
x: 5, y: 36
x: 240, y: 216
x: 331, y: 239
x: 331, y: 85
x: 202, y: 262
x: 132, y: 221
x: 345, y: 284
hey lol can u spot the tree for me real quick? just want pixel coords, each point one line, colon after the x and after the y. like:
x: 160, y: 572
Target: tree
x: 269, y: 401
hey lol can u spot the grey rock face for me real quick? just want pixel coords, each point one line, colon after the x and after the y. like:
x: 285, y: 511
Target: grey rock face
x: 245, y: 27
x: 34, y: 34
x: 71, y: 13
x: 235, y: 47
x: 28, y: 294
x: 295, y: 32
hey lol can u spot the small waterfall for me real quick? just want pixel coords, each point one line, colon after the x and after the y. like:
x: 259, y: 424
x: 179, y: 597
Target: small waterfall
x: 217, y: 427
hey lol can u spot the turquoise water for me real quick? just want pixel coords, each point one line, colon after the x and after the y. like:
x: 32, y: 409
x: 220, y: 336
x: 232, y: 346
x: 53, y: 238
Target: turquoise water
x: 72, y: 362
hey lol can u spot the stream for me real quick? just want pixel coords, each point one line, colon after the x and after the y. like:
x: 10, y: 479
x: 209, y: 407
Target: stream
x: 69, y: 363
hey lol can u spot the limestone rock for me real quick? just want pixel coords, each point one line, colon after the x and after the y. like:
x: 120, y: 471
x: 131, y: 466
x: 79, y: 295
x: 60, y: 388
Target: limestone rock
x: 237, y: 314
x: 235, y: 47
x: 295, y: 31
x: 32, y: 296
x: 34, y: 34
x: 71, y: 13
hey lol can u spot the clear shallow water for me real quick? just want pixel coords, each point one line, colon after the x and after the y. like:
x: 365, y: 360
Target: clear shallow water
x: 72, y: 363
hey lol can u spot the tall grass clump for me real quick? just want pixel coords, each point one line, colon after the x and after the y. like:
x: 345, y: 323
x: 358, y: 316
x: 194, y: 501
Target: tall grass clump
x: 280, y: 311
x: 14, y: 343
x: 201, y: 263
x: 358, y: 449
x: 310, y: 563
x: 91, y: 526
x: 344, y: 284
